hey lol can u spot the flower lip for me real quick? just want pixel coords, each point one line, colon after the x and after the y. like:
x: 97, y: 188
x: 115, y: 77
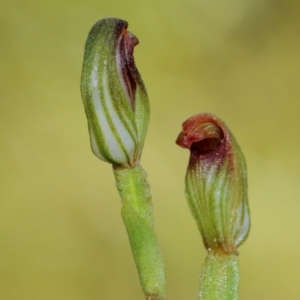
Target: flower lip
x: 201, y: 133
x: 125, y: 62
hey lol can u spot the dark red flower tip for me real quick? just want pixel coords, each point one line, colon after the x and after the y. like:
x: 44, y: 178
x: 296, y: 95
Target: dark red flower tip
x: 202, y: 133
x: 125, y: 45
x: 129, y: 74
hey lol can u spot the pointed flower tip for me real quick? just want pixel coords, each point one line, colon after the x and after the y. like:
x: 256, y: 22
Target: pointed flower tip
x: 113, y: 93
x: 202, y: 133
x: 216, y: 183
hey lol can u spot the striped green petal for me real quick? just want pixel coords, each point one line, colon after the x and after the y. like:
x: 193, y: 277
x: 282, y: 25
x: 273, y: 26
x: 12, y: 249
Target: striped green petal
x: 216, y: 183
x: 113, y: 93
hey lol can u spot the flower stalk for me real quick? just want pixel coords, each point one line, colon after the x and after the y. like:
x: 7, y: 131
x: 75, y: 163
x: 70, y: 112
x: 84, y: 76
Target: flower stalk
x: 137, y: 215
x: 216, y: 190
x: 117, y: 110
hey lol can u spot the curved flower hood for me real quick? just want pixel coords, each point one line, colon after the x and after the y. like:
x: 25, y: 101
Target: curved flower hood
x: 216, y: 182
x: 113, y: 93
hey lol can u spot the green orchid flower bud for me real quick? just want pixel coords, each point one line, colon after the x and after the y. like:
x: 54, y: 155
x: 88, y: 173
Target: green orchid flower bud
x: 216, y: 183
x: 113, y: 93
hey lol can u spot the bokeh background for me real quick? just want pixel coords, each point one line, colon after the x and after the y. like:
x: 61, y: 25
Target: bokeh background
x: 61, y: 234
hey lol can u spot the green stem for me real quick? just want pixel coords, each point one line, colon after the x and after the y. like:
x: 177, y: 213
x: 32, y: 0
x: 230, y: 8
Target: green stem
x: 219, y: 278
x: 137, y: 215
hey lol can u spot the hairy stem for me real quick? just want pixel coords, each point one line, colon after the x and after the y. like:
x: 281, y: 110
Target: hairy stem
x: 219, y: 278
x: 137, y: 215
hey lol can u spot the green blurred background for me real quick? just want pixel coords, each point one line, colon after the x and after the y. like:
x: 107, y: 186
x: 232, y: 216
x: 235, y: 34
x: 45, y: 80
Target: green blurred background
x: 61, y: 235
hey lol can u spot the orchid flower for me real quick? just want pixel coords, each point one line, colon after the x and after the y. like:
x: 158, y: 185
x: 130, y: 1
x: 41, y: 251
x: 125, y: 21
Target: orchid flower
x: 113, y: 93
x: 216, y: 190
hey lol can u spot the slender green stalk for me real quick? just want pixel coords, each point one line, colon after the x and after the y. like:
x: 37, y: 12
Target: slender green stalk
x: 219, y: 278
x: 137, y: 215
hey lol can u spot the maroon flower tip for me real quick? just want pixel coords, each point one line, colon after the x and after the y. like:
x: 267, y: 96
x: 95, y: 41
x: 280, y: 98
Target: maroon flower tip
x: 202, y: 133
x: 129, y: 73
